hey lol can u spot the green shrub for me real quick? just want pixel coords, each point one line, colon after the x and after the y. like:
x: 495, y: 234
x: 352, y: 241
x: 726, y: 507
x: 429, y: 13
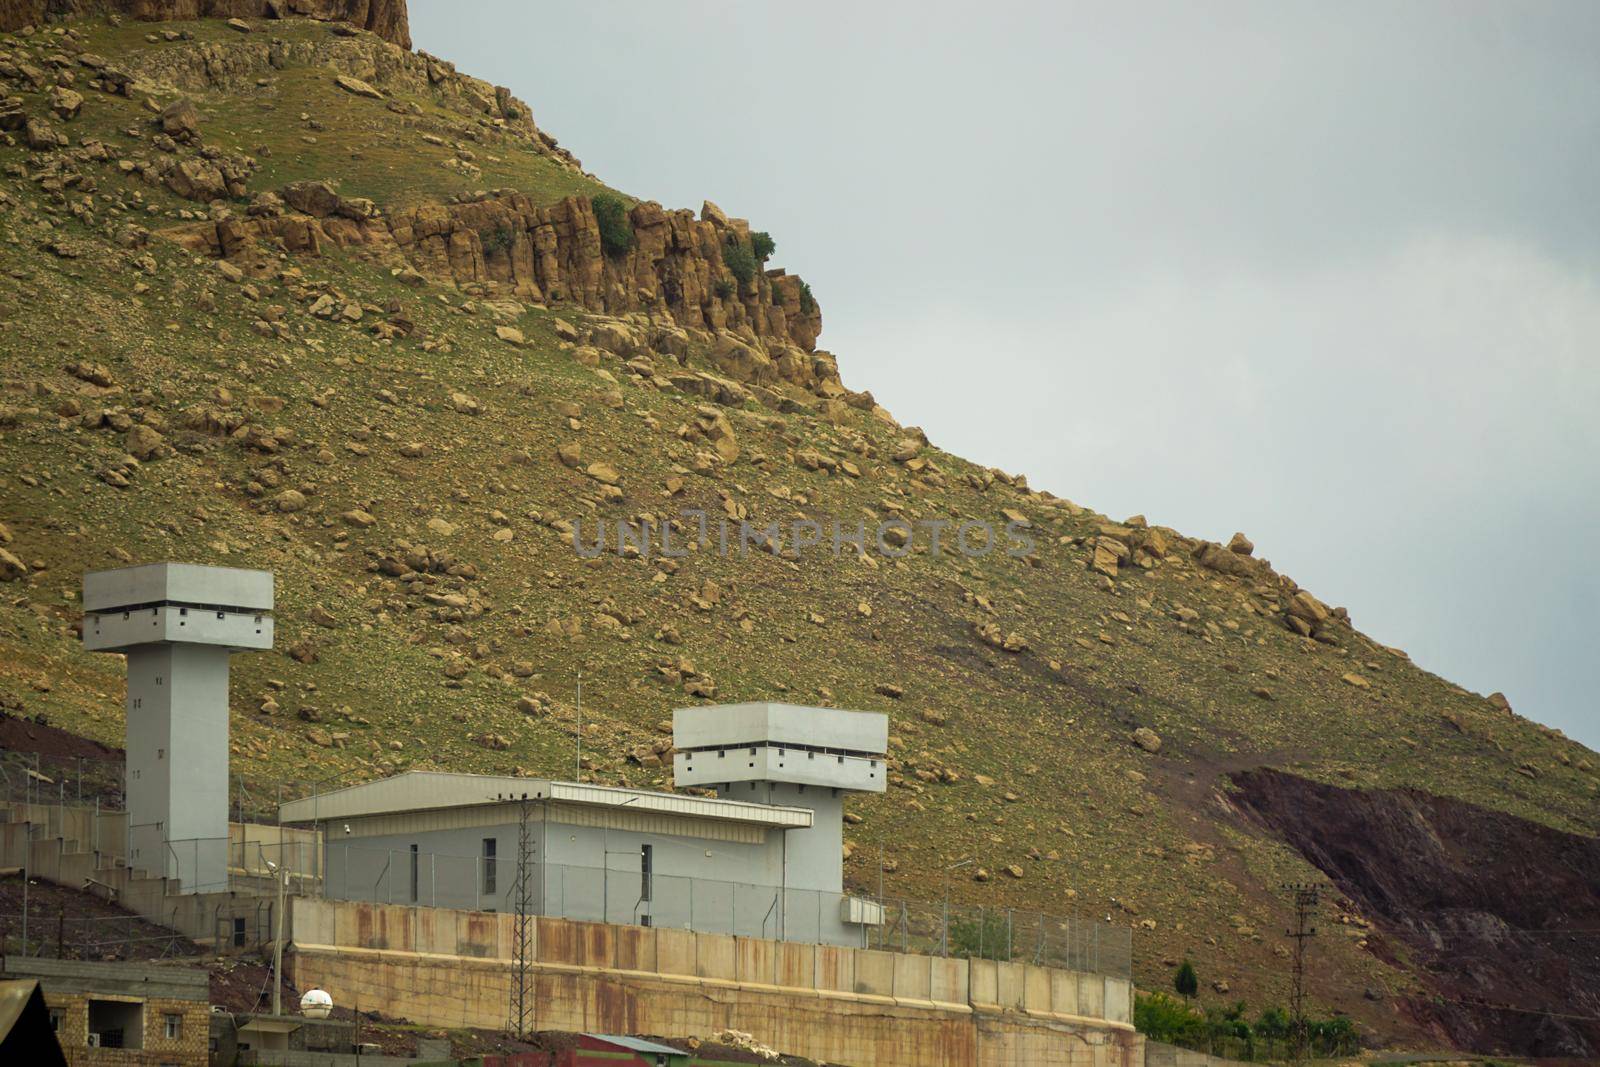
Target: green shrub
x: 740, y: 260
x: 616, y: 231
x: 1186, y: 982
x: 987, y: 937
x: 762, y: 244
x: 724, y: 288
x: 1161, y: 1018
x: 500, y: 240
x: 808, y: 303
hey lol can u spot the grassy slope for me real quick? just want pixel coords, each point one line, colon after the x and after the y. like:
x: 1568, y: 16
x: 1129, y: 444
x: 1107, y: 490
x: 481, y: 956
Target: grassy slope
x: 1120, y: 820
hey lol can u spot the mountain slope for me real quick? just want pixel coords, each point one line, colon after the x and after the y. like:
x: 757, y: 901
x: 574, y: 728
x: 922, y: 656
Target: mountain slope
x: 286, y: 329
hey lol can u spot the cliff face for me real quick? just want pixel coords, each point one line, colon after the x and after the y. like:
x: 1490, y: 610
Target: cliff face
x: 504, y: 240
x: 386, y: 18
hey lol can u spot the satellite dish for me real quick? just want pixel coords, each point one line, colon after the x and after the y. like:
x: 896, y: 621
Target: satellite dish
x: 316, y: 1004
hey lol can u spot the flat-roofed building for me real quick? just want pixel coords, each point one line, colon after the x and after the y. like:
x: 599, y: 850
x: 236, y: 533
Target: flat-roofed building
x: 764, y: 858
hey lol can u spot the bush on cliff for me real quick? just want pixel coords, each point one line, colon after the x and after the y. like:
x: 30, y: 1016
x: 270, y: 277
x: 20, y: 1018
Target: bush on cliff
x: 616, y: 231
x: 762, y: 244
x: 740, y: 260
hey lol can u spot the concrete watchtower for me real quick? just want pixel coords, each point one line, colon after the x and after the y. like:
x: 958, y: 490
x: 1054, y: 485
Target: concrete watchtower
x: 792, y: 756
x: 178, y: 623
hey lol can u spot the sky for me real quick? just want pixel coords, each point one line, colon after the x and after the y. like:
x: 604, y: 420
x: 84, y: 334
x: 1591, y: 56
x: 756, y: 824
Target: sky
x: 1328, y: 274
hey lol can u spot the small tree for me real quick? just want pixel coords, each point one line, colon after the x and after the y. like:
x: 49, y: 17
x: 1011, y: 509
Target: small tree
x: 616, y: 230
x: 740, y: 260
x: 762, y: 244
x: 1185, y: 981
x: 808, y: 303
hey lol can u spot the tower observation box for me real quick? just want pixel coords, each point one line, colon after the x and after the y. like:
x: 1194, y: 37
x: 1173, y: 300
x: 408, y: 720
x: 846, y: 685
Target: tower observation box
x: 763, y: 742
x: 178, y: 624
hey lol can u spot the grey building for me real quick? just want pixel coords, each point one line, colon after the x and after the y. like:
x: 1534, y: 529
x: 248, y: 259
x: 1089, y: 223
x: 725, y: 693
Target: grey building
x: 177, y: 624
x: 763, y: 858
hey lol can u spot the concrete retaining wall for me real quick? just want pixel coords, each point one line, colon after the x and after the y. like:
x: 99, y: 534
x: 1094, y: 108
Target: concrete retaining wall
x: 1159, y: 1055
x: 841, y: 1005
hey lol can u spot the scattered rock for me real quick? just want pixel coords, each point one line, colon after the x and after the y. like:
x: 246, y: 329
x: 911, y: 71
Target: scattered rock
x: 11, y: 568
x: 180, y: 120
x: 142, y: 442
x: 356, y: 86
x: 1147, y: 739
x: 65, y: 103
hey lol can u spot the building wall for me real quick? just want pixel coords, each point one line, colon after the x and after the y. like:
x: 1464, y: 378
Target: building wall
x: 747, y: 880
x: 828, y: 1003
x: 191, y: 1049
x: 177, y: 763
x: 146, y: 992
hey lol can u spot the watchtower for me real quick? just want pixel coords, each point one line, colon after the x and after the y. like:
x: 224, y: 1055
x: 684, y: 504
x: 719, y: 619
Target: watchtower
x: 792, y: 756
x: 177, y: 624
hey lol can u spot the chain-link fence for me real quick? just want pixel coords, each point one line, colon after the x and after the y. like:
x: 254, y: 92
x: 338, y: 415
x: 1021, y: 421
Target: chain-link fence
x: 624, y: 893
x: 46, y: 930
x: 40, y: 778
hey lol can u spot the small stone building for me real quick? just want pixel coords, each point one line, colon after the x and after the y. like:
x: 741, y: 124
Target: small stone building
x: 113, y: 1014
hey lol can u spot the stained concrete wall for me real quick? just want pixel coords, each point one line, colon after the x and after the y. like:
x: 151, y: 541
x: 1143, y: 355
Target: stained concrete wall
x: 841, y: 1005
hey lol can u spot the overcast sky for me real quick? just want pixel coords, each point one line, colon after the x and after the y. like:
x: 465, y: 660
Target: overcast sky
x: 1328, y: 274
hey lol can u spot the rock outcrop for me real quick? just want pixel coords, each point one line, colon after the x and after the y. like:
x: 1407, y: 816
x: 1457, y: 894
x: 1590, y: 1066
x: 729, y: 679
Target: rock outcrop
x: 503, y: 240
x: 386, y: 18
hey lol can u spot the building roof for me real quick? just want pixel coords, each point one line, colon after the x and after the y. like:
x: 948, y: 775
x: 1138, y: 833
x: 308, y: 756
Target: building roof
x: 834, y: 730
x: 415, y: 791
x: 637, y: 1044
x: 184, y: 583
x: 172, y: 981
x: 26, y: 1035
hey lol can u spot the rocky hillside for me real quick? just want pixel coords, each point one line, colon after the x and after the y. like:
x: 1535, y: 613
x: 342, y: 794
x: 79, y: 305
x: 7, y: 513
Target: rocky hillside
x: 282, y: 293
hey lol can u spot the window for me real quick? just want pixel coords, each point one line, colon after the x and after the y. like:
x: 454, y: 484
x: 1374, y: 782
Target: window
x: 238, y: 932
x: 172, y: 1026
x: 489, y: 848
x: 57, y: 1017
x: 416, y: 866
x: 116, y: 1024
x: 647, y: 855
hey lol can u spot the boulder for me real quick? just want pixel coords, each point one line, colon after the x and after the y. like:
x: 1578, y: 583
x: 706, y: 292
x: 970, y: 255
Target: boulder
x: 356, y: 86
x: 196, y: 179
x: 11, y: 568
x: 1146, y: 739
x: 180, y: 120
x: 142, y: 442
x: 65, y: 103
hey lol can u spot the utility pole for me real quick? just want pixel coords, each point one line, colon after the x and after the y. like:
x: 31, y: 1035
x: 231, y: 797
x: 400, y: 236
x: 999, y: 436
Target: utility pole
x: 522, y: 1004
x: 578, y: 771
x: 280, y: 874
x: 1305, y: 906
